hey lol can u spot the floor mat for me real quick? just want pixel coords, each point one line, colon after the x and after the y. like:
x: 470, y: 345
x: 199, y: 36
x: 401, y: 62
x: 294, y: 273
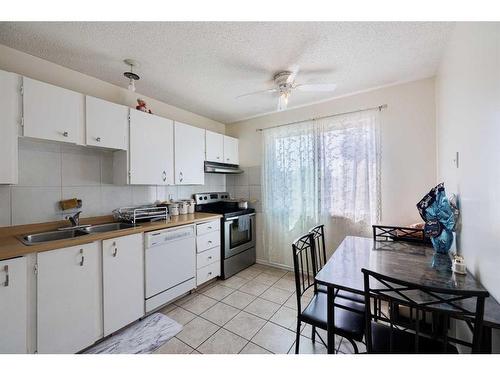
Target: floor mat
x: 143, y: 337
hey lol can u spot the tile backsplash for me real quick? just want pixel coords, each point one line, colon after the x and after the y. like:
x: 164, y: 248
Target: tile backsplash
x: 49, y: 172
x: 246, y: 186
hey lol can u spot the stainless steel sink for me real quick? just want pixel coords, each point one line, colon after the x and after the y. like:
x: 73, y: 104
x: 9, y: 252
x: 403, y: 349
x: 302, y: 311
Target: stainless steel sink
x: 67, y: 233
x: 33, y: 239
x: 108, y: 227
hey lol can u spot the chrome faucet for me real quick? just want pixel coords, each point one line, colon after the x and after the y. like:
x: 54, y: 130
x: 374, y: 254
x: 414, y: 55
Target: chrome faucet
x: 74, y: 219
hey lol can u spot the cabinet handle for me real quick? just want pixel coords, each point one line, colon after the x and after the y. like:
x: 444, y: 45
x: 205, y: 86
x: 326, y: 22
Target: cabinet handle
x: 227, y: 159
x: 6, y: 269
x: 83, y: 258
x: 218, y: 157
x: 65, y: 134
x: 209, y: 228
x: 210, y: 257
x: 181, y: 177
x: 209, y: 242
x: 210, y: 274
x: 115, y: 252
x: 164, y: 176
x: 98, y: 139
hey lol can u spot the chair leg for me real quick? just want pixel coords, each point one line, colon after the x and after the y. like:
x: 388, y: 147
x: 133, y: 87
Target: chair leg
x: 354, y: 346
x: 313, y: 335
x: 297, y: 338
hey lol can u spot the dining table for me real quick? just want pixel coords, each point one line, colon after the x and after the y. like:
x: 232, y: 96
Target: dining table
x: 412, y: 262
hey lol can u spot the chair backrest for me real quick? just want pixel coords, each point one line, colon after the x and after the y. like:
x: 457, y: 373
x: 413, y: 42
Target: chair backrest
x: 304, y: 265
x: 421, y: 300
x: 318, y: 233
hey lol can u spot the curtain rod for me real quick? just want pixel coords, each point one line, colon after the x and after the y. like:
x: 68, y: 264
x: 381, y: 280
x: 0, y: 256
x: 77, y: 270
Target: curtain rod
x: 379, y: 107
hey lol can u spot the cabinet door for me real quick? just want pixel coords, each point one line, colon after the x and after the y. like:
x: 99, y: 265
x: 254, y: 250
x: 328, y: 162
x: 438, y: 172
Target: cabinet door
x: 123, y: 281
x: 51, y: 112
x: 214, y: 144
x: 151, y: 149
x: 106, y: 123
x: 11, y: 117
x: 231, y: 150
x: 189, y: 155
x: 69, y: 315
x: 13, y: 306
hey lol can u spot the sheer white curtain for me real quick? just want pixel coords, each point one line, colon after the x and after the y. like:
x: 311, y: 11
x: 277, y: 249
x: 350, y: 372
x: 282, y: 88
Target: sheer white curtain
x: 324, y: 171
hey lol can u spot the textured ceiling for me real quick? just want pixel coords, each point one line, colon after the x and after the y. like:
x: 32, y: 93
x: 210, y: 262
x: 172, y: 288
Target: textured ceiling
x: 203, y: 66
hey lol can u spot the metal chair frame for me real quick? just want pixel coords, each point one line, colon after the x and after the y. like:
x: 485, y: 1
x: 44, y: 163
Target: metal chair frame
x: 441, y: 302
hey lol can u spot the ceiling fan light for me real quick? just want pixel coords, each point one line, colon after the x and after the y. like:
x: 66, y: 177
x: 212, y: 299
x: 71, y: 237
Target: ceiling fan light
x: 131, y: 85
x: 283, y: 101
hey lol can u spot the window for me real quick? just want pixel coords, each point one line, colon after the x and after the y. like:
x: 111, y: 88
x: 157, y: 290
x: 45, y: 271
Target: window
x: 318, y: 171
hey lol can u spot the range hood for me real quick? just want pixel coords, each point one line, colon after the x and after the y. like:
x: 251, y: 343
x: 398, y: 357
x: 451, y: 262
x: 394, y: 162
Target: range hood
x: 213, y: 167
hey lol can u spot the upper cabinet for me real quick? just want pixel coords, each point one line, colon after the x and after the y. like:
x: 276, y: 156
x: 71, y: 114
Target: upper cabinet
x: 10, y: 108
x: 189, y: 154
x: 214, y: 143
x: 221, y: 148
x: 106, y: 123
x: 151, y: 152
x: 231, y: 150
x: 51, y: 112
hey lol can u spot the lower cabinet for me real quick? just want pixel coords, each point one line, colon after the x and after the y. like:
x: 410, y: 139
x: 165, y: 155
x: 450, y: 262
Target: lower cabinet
x: 208, y: 251
x: 69, y: 310
x: 13, y: 306
x: 123, y: 281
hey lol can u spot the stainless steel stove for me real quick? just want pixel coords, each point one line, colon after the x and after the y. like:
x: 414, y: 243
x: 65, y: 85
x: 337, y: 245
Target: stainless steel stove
x: 237, y: 234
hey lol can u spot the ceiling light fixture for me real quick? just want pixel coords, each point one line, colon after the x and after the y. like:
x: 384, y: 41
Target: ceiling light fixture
x: 130, y: 74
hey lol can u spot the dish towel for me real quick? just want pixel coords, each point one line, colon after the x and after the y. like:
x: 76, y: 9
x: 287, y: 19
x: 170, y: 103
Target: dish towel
x: 244, y: 223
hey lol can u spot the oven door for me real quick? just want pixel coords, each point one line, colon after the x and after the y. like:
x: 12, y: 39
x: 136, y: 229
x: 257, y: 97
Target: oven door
x: 238, y: 237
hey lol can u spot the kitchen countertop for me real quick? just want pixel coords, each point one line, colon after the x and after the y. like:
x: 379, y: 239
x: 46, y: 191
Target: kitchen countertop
x: 11, y: 246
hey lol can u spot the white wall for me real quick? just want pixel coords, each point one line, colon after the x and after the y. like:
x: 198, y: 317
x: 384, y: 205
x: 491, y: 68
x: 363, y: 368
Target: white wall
x: 30, y: 66
x: 408, y: 137
x: 468, y: 122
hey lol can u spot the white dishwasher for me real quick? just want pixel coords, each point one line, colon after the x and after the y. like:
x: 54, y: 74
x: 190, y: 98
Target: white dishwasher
x: 170, y: 259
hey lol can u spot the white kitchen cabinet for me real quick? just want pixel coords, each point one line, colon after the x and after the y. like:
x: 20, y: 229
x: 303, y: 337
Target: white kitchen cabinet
x: 151, y: 149
x: 231, y: 150
x: 208, y: 251
x: 69, y: 308
x: 10, y: 108
x: 51, y: 112
x: 189, y: 154
x: 214, y: 147
x: 123, y: 281
x: 13, y: 306
x: 106, y: 123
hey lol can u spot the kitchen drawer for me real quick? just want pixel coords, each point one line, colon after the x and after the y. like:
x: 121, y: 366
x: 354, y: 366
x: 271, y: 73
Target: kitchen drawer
x: 205, y: 228
x: 207, y: 257
x: 207, y: 241
x: 207, y: 273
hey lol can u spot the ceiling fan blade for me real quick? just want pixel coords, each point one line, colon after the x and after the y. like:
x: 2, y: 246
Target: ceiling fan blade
x: 295, y: 70
x: 316, y: 87
x: 257, y: 92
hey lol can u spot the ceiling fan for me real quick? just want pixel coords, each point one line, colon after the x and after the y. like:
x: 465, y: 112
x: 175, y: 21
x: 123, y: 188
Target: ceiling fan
x: 285, y: 84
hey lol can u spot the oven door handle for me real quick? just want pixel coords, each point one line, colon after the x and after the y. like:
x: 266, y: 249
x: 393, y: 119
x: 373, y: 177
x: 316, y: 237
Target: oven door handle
x: 237, y: 217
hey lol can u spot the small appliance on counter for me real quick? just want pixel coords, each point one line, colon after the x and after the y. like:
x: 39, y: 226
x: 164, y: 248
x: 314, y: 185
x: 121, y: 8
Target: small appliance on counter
x: 237, y: 231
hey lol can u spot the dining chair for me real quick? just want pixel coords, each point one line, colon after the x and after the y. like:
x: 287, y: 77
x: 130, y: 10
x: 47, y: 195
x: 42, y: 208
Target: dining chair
x: 348, y: 324
x: 318, y: 233
x: 386, y: 334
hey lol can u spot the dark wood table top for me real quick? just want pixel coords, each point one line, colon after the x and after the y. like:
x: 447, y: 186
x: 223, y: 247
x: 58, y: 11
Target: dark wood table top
x: 401, y: 260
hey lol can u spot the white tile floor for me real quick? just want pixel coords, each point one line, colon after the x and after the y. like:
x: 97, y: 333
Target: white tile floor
x: 253, y: 312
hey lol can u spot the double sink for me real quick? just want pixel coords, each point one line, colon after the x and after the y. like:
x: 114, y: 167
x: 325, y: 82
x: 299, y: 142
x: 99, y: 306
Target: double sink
x: 69, y: 233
